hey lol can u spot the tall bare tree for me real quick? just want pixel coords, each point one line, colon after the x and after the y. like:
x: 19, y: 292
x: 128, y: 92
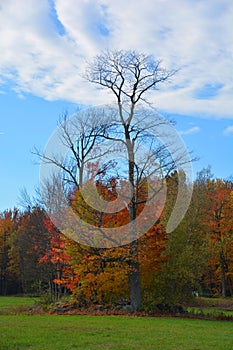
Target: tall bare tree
x: 130, y: 76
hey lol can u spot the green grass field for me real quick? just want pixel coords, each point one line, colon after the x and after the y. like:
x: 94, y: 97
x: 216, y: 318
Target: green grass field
x: 213, y: 306
x: 13, y: 305
x: 209, y: 311
x: 66, y: 332
x: 112, y: 332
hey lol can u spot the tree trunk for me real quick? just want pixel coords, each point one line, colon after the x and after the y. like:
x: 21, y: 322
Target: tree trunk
x: 223, y: 275
x: 134, y: 277
x: 134, y: 268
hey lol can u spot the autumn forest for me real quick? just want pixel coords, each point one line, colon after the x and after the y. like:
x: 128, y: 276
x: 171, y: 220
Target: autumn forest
x: 197, y: 257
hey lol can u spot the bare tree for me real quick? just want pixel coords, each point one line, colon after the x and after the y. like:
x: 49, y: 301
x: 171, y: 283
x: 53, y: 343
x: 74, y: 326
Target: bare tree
x: 81, y: 136
x: 130, y: 76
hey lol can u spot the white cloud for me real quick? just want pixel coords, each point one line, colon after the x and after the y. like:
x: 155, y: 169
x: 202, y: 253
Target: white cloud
x: 193, y: 130
x: 194, y: 35
x: 228, y: 130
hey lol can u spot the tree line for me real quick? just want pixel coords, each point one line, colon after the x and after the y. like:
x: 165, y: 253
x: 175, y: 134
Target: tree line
x: 197, y: 257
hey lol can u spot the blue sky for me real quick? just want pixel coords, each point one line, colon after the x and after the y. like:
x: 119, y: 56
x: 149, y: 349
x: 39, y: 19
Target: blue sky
x: 44, y: 48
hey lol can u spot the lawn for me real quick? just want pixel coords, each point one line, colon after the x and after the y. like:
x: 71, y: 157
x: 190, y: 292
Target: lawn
x: 12, y: 304
x: 39, y: 332
x: 212, y: 306
x: 112, y: 332
x: 209, y: 311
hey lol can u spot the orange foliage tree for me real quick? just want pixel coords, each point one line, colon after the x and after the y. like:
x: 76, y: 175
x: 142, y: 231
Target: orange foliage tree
x: 219, y: 222
x: 8, y: 277
x: 101, y: 274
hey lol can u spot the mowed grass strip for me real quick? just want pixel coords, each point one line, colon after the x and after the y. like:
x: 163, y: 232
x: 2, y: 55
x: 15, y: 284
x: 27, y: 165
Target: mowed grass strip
x: 65, y: 332
x: 209, y: 311
x: 13, y: 304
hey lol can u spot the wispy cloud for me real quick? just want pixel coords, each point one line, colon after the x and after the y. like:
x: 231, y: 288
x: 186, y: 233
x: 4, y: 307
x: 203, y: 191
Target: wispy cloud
x: 228, y: 130
x: 45, y: 44
x: 190, y: 131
